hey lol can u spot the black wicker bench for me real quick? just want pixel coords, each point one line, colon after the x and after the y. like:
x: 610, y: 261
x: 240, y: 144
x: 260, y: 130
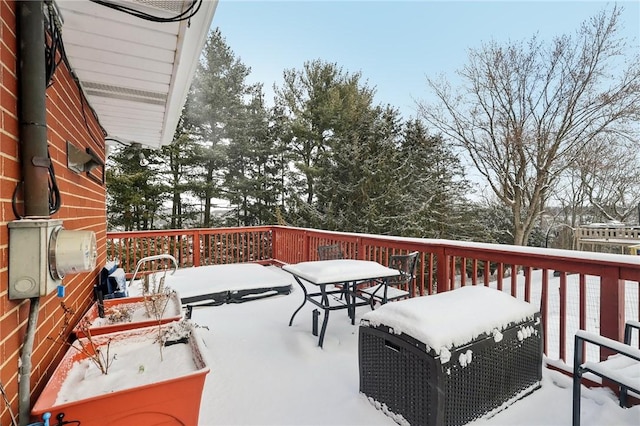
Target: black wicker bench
x: 419, y: 379
x: 614, y: 369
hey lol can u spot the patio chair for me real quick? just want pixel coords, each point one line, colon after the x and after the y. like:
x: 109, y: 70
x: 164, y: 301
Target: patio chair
x: 330, y: 252
x: 397, y: 287
x: 621, y: 368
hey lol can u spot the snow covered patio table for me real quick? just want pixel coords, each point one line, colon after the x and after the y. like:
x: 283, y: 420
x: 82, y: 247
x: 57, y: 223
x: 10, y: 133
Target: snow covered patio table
x: 450, y: 358
x: 344, y: 272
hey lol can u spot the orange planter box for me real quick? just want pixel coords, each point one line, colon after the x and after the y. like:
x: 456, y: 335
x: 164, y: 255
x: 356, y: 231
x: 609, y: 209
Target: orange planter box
x: 173, y: 312
x: 168, y: 401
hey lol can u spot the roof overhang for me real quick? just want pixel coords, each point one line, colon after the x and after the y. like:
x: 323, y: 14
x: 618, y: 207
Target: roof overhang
x: 135, y: 73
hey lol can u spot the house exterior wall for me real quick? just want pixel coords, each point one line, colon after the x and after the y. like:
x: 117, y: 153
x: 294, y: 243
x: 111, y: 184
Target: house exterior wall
x: 69, y: 118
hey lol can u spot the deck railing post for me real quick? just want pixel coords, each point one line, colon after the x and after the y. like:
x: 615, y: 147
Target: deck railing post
x: 306, y: 247
x: 274, y: 242
x: 612, y: 317
x: 196, y: 247
x: 360, y: 249
x: 442, y: 270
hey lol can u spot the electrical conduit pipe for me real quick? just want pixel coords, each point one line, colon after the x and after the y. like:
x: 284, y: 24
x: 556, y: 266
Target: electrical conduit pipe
x: 35, y: 160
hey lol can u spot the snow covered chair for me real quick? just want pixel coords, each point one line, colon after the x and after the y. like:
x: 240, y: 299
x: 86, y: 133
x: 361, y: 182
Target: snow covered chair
x: 330, y: 252
x: 622, y: 368
x: 397, y: 287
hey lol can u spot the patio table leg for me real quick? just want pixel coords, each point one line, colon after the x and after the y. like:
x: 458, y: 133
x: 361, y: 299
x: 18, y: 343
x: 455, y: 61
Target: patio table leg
x: 325, y: 297
x: 325, y: 320
x: 352, y: 302
x: 324, y: 327
x: 304, y: 300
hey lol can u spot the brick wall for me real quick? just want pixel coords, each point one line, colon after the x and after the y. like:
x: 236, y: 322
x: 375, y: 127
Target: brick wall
x: 83, y: 208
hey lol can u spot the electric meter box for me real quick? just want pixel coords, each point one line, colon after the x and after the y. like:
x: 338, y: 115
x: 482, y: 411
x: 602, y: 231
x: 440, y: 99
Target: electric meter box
x: 71, y: 252
x: 41, y: 252
x: 28, y: 254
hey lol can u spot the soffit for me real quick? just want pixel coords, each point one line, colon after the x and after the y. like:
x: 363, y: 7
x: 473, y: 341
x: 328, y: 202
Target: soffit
x: 135, y: 73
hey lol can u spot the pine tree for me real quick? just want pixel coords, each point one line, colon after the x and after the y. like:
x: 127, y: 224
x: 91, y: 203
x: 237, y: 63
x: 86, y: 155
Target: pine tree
x: 357, y: 191
x: 216, y: 111
x: 135, y: 194
x: 438, y: 187
x: 180, y: 158
x: 251, y: 179
x: 316, y: 104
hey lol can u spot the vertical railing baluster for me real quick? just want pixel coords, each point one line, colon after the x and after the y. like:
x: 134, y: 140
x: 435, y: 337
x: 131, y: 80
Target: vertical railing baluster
x: 563, y: 316
x: 527, y: 287
x: 582, y: 291
x: 544, y: 310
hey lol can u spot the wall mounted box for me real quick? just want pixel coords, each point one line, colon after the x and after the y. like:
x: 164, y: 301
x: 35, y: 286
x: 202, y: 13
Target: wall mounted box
x: 28, y: 253
x: 42, y: 252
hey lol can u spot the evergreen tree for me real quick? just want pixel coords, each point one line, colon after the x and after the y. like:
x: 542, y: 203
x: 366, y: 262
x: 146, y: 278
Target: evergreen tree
x: 317, y: 103
x: 181, y: 170
x: 217, y: 112
x: 135, y: 195
x: 324, y: 156
x: 251, y: 180
x: 437, y: 186
x: 359, y: 186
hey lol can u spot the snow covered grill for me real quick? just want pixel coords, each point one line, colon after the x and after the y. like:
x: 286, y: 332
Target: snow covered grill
x: 433, y: 380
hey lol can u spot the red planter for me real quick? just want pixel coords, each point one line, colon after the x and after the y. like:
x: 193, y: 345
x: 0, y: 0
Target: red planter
x: 168, y: 401
x: 173, y: 312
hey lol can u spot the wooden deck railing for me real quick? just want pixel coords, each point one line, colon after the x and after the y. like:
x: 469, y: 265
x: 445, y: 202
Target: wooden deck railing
x: 585, y: 285
x: 623, y: 239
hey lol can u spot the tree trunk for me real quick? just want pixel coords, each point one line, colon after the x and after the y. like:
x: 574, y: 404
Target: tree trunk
x: 206, y: 222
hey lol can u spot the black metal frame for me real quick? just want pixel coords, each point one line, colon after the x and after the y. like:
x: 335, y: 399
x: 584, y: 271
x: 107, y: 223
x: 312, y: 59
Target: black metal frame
x: 235, y: 296
x: 406, y: 264
x: 322, y: 299
x: 624, y: 349
x: 330, y: 252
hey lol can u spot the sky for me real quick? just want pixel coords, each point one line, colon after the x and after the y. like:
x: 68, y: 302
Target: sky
x: 394, y: 44
x: 264, y: 372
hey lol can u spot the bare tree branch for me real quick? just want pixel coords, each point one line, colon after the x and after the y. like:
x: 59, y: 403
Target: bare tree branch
x: 527, y: 110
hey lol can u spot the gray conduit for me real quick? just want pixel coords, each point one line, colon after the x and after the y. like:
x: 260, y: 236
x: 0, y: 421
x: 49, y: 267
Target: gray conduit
x: 24, y: 390
x: 33, y: 151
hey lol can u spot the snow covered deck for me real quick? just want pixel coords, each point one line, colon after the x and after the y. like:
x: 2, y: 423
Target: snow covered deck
x: 264, y: 372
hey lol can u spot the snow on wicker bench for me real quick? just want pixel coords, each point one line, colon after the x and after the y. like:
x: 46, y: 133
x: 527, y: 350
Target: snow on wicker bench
x: 450, y: 358
x: 623, y: 368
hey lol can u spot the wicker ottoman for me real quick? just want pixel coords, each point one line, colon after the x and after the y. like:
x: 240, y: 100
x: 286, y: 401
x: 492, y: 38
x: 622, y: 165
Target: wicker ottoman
x: 450, y: 358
